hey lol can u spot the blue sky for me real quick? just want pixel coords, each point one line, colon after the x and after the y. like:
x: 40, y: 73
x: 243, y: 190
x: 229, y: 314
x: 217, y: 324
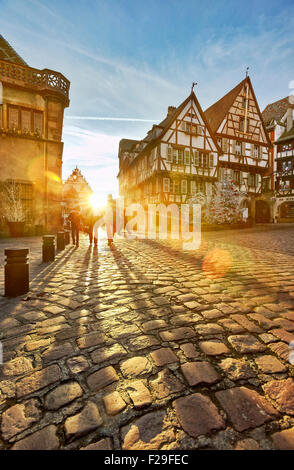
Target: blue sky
x: 134, y: 58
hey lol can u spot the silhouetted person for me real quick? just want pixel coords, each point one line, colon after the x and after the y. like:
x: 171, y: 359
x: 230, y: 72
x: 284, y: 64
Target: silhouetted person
x: 111, y: 225
x: 75, y: 220
x: 90, y: 220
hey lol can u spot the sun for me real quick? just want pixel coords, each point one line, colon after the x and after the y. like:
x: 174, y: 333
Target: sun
x: 96, y: 201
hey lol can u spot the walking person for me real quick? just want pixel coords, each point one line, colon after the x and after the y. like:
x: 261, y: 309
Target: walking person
x: 90, y: 220
x: 111, y: 222
x: 75, y: 220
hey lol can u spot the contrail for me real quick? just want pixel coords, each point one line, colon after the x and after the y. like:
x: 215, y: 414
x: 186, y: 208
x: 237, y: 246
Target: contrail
x: 96, y: 118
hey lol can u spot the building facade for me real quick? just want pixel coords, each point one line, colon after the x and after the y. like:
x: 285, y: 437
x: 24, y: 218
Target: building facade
x: 278, y: 119
x: 31, y: 119
x: 76, y: 192
x: 177, y: 159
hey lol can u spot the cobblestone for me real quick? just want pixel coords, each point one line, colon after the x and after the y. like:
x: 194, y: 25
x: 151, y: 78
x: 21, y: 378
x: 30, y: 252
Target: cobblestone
x: 113, y: 344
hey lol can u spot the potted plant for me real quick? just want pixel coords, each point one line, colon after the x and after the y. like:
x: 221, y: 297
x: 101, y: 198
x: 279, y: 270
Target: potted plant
x: 12, y: 208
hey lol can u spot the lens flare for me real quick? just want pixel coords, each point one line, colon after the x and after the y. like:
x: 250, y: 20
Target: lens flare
x: 217, y: 263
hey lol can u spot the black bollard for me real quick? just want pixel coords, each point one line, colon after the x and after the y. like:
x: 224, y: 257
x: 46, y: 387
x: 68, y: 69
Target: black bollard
x: 48, y: 248
x: 17, y: 272
x: 67, y: 237
x: 60, y: 241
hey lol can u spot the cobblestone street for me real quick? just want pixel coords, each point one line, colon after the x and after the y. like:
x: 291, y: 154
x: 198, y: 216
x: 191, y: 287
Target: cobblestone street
x: 148, y: 347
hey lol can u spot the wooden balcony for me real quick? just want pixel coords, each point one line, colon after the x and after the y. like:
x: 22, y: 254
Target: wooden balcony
x: 40, y: 80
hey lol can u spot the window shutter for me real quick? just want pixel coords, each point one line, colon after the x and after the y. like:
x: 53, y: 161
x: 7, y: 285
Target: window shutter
x: 260, y: 152
x: 241, y: 178
x: 234, y: 147
x: 256, y: 180
x: 169, y: 154
x: 225, y: 145
x: 252, y: 150
x: 180, y: 157
x: 187, y: 157
x: 244, y: 148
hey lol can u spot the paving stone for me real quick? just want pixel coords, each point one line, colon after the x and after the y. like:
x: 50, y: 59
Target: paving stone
x: 236, y: 369
x: 270, y: 364
x: 264, y: 322
x: 57, y: 352
x: 102, y: 378
x: 83, y: 423
x: 231, y: 325
x: 149, y: 432
x: 283, y: 335
x: 135, y: 367
x: 91, y: 339
x: 111, y: 353
x: 166, y: 384
x: 17, y: 366
x: 281, y: 349
x: 246, y: 344
x: 209, y: 329
x: 199, y: 372
x: 267, y: 338
x: 19, y: 417
x: 139, y: 394
x: 63, y: 395
x: 54, y: 309
x: 77, y: 364
x: 38, y: 380
x: 189, y: 350
x: 73, y: 332
x: 154, y: 325
x: 180, y: 320
x: 142, y: 342
x: 245, y: 407
x: 103, y: 444
x: 114, y: 403
x: 284, y: 440
x: 177, y: 334
x: 212, y: 314
x: 284, y: 323
x: 282, y: 394
x: 247, y: 444
x: 163, y: 356
x: 213, y: 347
x: 198, y: 415
x: 34, y: 345
x: 45, y: 439
x: 7, y: 389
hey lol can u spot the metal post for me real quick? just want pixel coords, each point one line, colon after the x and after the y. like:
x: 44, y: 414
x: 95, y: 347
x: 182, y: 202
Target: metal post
x: 48, y: 248
x: 60, y: 241
x: 17, y: 275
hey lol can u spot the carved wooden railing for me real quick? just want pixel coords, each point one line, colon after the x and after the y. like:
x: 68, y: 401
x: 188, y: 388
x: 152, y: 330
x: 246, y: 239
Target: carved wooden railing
x: 33, y: 78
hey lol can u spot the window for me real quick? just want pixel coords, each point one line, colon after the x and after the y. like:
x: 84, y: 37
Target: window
x: 211, y: 160
x: 180, y: 157
x: 256, y: 151
x: 200, y: 130
x: 175, y: 156
x: 166, y: 185
x: 194, y: 129
x: 236, y: 177
x: 244, y: 102
x: 13, y: 121
x: 224, y: 145
x: 242, y: 124
x: 205, y: 160
x: 196, y: 158
x: 193, y: 187
x: 25, y: 119
x: 184, y: 186
x: 1, y: 116
x: 238, y: 148
x: 251, y: 180
x: 176, y: 187
x: 169, y: 154
x: 187, y: 157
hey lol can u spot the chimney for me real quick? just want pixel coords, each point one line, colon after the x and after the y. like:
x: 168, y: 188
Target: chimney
x: 289, y: 119
x: 171, y: 110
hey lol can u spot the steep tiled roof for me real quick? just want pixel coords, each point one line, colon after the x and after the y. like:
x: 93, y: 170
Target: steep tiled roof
x: 287, y: 135
x: 9, y: 54
x: 126, y: 145
x: 275, y: 111
x: 217, y: 112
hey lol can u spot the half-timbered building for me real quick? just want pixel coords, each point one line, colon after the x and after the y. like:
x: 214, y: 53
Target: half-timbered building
x: 237, y: 125
x: 177, y: 158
